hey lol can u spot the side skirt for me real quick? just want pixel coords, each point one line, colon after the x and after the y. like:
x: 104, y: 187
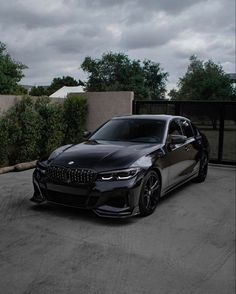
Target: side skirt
x: 178, y: 185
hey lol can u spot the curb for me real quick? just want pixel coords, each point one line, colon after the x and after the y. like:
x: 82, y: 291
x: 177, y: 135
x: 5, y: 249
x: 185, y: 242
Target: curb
x: 18, y: 167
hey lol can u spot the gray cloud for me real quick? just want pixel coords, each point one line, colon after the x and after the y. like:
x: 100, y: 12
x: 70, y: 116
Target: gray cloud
x: 81, y: 40
x: 27, y: 15
x: 53, y: 37
x: 150, y: 5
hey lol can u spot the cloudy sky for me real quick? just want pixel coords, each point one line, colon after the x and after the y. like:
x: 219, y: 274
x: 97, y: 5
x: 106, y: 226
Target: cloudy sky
x: 52, y: 37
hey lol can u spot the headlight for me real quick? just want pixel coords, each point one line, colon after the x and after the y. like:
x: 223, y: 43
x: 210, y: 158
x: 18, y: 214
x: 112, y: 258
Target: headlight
x: 124, y: 174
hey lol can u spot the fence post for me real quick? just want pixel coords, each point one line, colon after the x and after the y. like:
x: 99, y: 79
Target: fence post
x: 177, y: 108
x: 134, y: 107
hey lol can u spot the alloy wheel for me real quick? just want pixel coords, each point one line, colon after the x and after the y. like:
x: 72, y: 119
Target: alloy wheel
x: 150, y: 193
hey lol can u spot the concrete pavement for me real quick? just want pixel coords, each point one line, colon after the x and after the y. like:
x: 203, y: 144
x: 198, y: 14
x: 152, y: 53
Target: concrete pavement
x: 186, y: 246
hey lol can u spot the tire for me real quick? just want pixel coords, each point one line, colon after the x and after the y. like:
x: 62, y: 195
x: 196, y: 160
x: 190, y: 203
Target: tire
x: 150, y: 193
x: 203, y: 168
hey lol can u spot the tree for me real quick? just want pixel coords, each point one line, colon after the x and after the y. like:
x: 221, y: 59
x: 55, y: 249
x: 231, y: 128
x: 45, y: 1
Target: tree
x: 38, y: 91
x: 203, y: 81
x: 58, y: 83
x: 11, y: 72
x: 116, y: 72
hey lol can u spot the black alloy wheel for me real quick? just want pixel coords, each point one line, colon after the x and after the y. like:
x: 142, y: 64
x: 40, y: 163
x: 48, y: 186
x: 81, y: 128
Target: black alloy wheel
x: 203, y: 168
x: 150, y: 193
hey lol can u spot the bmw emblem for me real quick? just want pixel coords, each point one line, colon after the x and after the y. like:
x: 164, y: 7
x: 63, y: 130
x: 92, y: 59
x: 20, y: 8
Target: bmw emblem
x: 71, y: 162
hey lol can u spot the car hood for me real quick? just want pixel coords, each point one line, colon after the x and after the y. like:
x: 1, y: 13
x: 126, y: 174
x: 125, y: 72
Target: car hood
x: 103, y: 155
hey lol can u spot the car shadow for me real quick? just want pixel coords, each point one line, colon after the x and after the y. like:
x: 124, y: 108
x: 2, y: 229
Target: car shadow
x: 81, y: 214
x: 89, y: 216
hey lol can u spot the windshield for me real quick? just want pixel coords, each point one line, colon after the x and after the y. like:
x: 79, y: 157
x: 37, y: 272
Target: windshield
x: 131, y: 130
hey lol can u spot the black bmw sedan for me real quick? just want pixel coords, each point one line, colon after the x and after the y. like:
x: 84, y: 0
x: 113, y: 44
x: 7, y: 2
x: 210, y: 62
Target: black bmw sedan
x: 124, y: 167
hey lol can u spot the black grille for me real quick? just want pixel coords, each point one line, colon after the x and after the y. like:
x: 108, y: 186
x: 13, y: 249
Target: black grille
x: 70, y: 175
x: 66, y: 199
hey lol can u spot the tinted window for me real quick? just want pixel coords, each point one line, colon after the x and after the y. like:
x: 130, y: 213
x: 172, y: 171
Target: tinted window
x: 133, y: 130
x: 174, y: 128
x: 187, y: 129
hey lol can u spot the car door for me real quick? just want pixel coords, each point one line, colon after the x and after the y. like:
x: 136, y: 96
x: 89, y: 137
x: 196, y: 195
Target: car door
x: 191, y: 147
x: 179, y: 156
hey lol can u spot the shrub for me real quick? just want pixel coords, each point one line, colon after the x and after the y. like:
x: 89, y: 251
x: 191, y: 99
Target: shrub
x: 33, y: 128
x: 23, y: 131
x: 52, y: 125
x: 75, y: 112
x: 3, y: 141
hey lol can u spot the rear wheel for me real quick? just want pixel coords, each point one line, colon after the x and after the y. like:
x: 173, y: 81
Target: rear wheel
x: 202, y: 174
x: 150, y: 193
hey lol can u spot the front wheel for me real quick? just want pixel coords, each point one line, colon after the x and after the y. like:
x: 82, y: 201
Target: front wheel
x: 202, y: 174
x: 150, y: 193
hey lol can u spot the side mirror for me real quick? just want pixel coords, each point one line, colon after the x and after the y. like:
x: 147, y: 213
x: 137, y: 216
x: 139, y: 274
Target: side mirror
x: 177, y: 139
x: 86, y: 134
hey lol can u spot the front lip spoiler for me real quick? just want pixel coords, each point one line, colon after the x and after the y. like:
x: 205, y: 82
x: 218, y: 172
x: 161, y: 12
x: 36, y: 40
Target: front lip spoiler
x: 113, y: 212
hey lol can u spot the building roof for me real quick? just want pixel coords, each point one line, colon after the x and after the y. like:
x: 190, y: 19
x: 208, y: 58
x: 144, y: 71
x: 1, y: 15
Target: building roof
x: 64, y: 91
x: 232, y: 76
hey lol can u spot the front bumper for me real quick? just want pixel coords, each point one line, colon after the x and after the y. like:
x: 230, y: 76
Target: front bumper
x: 114, y: 199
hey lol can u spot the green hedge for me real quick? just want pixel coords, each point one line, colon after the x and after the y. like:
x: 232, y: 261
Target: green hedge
x: 75, y: 114
x: 31, y: 129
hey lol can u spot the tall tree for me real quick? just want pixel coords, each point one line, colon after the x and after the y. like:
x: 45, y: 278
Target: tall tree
x: 58, y: 83
x: 203, y: 81
x: 117, y: 72
x: 38, y: 91
x: 11, y: 72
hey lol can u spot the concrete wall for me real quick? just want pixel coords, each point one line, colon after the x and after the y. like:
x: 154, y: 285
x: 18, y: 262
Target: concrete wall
x: 101, y: 105
x: 7, y: 101
x: 105, y: 105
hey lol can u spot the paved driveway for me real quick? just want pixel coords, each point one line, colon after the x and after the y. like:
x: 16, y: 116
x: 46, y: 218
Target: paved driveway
x: 186, y: 246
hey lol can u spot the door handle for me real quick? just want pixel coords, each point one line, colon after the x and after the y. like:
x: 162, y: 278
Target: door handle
x: 187, y: 148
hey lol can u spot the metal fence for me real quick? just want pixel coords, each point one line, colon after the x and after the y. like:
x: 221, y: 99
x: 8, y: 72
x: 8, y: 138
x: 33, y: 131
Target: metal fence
x: 216, y: 119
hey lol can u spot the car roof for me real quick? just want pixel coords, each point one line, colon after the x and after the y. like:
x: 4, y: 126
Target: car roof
x: 164, y: 117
